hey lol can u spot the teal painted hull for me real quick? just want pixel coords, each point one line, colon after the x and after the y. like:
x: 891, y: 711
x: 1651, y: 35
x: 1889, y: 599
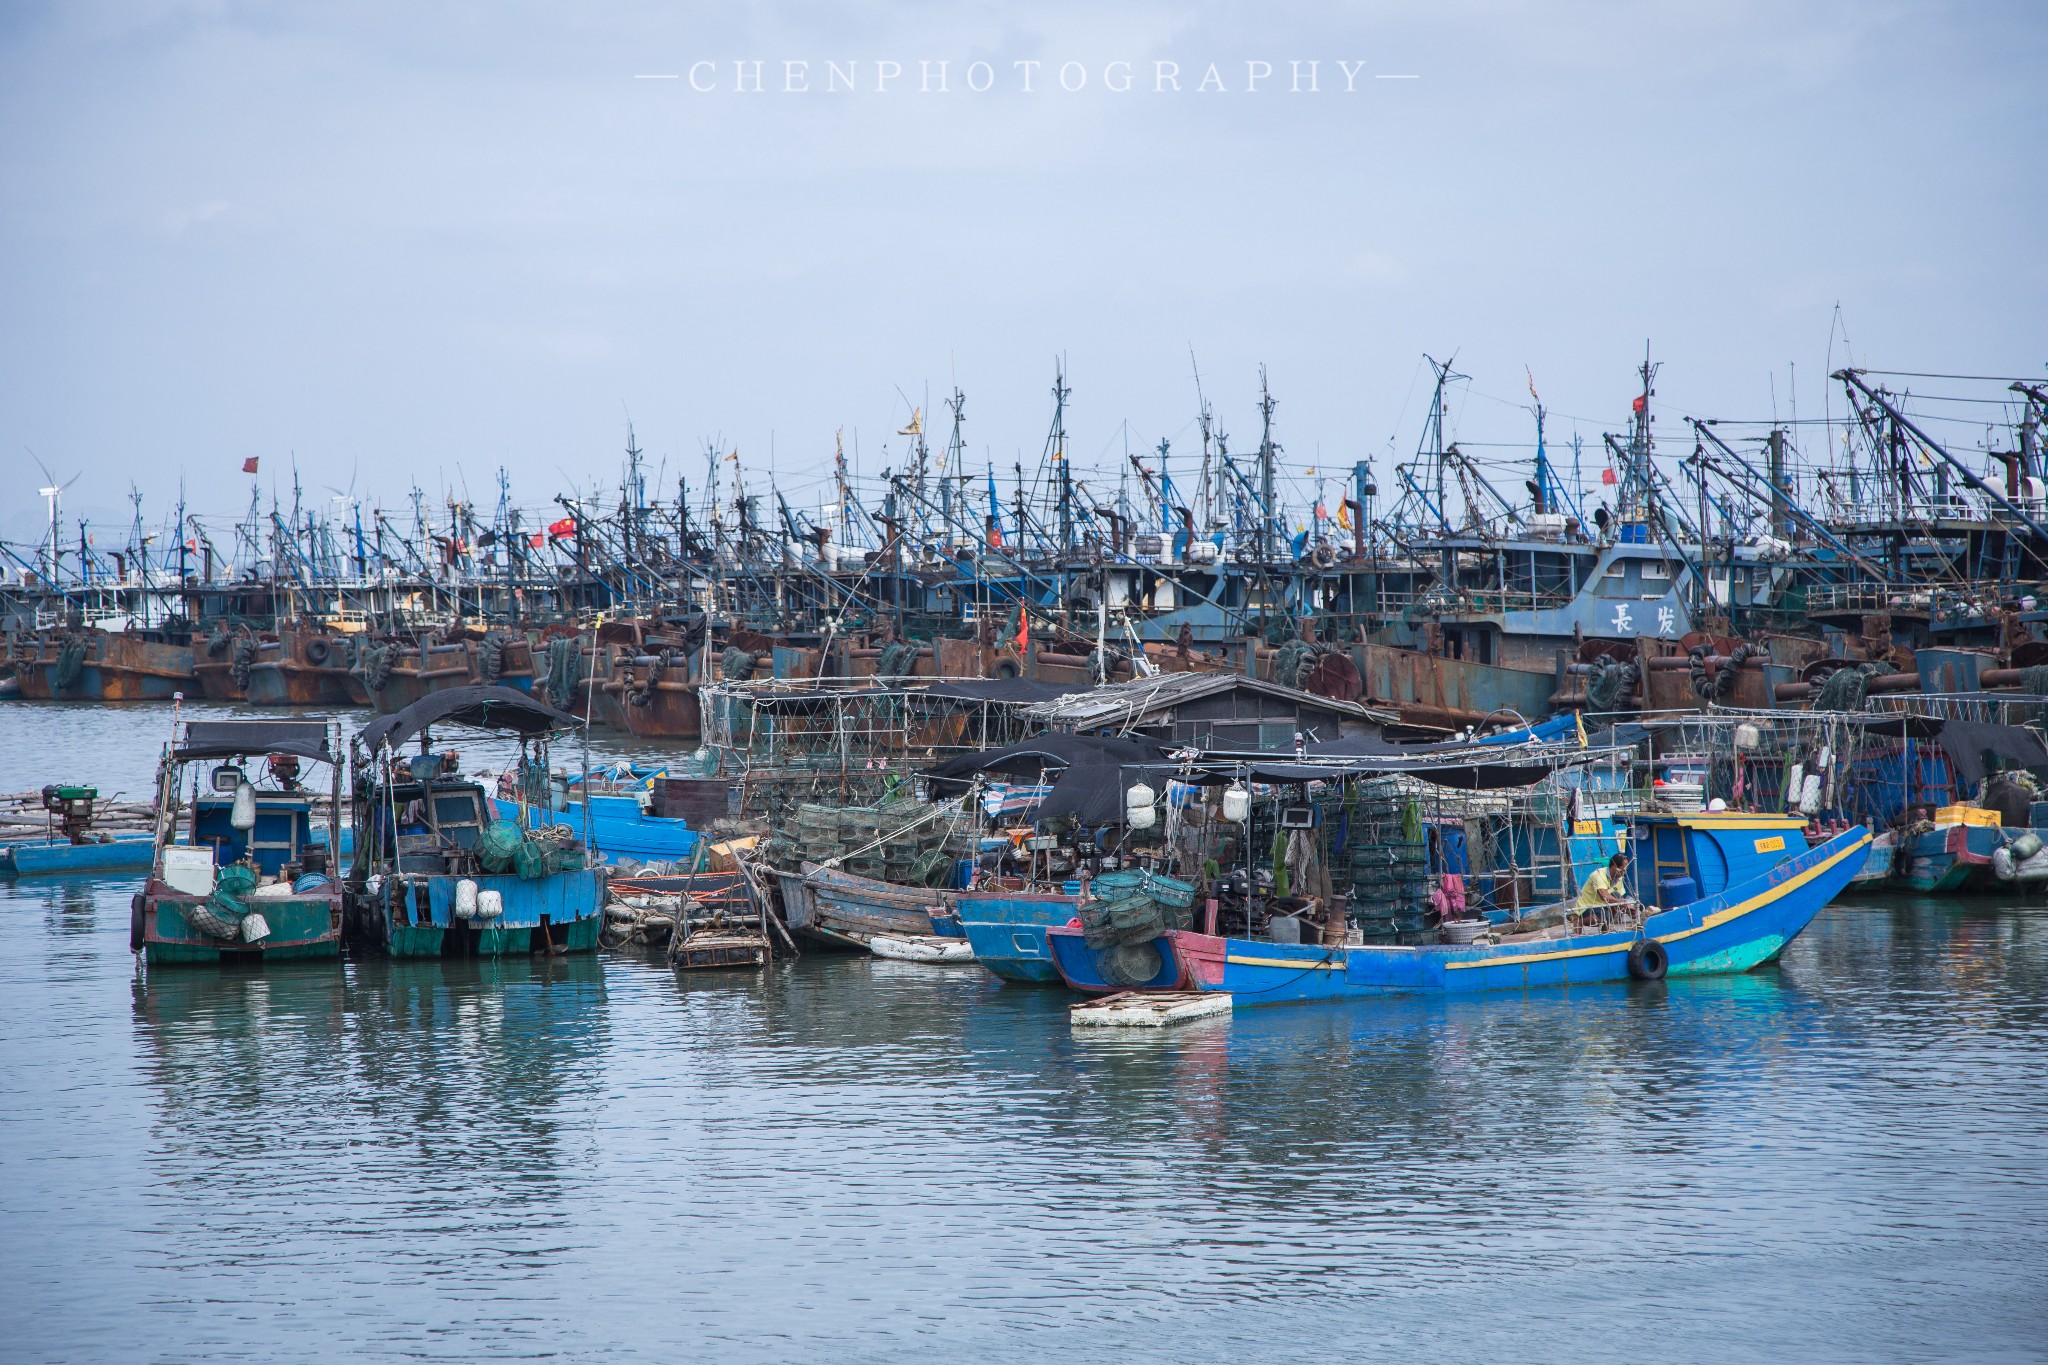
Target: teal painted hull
x: 299, y: 929
x: 568, y: 905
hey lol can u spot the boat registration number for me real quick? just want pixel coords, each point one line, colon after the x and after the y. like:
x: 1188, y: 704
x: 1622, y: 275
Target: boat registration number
x: 1774, y: 844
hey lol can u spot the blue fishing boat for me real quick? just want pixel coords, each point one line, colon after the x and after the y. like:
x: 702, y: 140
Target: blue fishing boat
x: 619, y: 809
x: 1007, y: 930
x: 51, y: 857
x: 1155, y: 965
x: 1720, y: 892
x: 129, y: 853
x: 248, y: 882
x: 436, y: 872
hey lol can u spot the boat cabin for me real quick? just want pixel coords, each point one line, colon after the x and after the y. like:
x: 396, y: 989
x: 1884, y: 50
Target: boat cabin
x: 282, y: 833
x: 430, y: 822
x: 1675, y: 860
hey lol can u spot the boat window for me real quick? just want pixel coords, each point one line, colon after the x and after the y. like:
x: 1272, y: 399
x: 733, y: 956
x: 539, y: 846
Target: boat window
x: 455, y: 808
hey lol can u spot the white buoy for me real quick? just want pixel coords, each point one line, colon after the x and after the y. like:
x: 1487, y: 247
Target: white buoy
x: 1138, y: 807
x: 1809, y: 795
x: 242, y: 815
x: 465, y: 899
x: 490, y: 904
x: 1237, y: 804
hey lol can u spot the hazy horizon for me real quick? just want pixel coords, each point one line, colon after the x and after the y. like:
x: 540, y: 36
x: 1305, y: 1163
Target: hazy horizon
x: 402, y: 246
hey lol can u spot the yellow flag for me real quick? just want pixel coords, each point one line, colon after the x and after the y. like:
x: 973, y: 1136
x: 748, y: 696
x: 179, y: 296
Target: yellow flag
x: 1581, y: 720
x: 1344, y: 515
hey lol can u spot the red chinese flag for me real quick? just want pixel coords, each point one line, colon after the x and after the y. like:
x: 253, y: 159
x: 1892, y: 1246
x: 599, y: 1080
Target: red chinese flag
x: 1609, y: 476
x: 565, y: 527
x: 1638, y: 404
x: 538, y: 541
x: 249, y: 465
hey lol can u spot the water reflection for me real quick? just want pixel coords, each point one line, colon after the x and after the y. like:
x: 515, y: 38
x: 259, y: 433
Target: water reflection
x: 868, y: 1160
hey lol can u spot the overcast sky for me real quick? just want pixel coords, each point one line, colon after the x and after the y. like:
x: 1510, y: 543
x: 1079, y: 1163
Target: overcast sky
x: 418, y: 241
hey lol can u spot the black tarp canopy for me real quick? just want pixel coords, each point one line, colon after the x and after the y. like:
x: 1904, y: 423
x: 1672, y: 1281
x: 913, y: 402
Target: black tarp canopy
x: 237, y: 738
x: 480, y: 708
x: 1089, y: 786
x: 1969, y: 742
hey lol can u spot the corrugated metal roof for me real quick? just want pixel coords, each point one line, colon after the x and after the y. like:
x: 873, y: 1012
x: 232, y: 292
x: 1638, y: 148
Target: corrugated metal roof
x: 1133, y: 702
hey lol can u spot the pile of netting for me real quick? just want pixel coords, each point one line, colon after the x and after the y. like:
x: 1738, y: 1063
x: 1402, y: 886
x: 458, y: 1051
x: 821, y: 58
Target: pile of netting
x: 1133, y: 907
x: 1846, y: 688
x: 909, y: 843
x: 504, y: 847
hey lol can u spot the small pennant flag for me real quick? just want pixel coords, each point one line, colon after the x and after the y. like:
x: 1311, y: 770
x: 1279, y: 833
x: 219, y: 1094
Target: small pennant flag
x: 1608, y: 476
x: 249, y: 465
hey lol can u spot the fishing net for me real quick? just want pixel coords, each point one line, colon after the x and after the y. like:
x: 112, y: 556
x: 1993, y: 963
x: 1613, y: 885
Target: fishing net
x: 498, y: 846
x: 1846, y: 688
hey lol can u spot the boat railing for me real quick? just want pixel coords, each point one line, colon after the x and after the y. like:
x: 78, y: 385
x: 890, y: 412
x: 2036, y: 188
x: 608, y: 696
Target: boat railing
x: 1868, y: 597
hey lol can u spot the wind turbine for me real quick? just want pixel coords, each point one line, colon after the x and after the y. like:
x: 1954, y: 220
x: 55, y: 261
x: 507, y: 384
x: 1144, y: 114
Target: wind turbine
x: 53, y: 494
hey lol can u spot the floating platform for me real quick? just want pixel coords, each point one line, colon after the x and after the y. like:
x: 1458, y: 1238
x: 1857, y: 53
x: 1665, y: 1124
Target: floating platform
x: 1131, y: 1009
x: 921, y: 948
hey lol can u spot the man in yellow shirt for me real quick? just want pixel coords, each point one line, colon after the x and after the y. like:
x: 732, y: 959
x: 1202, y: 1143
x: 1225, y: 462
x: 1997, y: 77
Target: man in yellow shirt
x: 1607, y: 886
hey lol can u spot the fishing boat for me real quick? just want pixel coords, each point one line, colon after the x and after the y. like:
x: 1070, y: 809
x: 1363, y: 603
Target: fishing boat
x: 250, y: 879
x: 1720, y: 892
x: 850, y: 911
x: 101, y: 665
x: 436, y: 872
x: 1008, y: 930
x: 301, y: 667
x: 623, y: 808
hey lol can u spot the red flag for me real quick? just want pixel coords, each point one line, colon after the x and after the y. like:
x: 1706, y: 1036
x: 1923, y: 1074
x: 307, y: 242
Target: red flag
x: 538, y: 541
x: 565, y: 527
x: 1023, y: 631
x: 249, y: 465
x: 1609, y: 476
x: 1638, y: 404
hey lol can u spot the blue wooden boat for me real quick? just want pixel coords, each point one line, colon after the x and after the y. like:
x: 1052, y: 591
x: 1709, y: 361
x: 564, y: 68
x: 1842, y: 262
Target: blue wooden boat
x: 1155, y: 965
x: 436, y: 873
x: 622, y: 827
x: 49, y: 857
x: 130, y: 853
x: 249, y: 882
x: 1007, y: 930
x: 1721, y: 892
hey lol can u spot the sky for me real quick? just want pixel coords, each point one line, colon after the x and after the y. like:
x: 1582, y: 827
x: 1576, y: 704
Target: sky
x: 392, y: 244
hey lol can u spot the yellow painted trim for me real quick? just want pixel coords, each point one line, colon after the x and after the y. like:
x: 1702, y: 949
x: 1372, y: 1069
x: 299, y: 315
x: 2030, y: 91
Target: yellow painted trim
x: 1712, y: 921
x: 1324, y: 965
x: 1732, y: 820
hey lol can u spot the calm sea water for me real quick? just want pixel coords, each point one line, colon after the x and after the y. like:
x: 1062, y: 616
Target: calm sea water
x: 1837, y: 1158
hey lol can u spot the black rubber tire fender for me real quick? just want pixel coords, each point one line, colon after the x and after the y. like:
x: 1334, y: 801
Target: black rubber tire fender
x: 1648, y: 960
x: 135, y: 933
x: 317, y: 651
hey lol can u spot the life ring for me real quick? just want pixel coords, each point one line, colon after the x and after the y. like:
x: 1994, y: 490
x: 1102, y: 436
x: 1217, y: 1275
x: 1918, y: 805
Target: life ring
x: 1648, y: 961
x: 317, y: 651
